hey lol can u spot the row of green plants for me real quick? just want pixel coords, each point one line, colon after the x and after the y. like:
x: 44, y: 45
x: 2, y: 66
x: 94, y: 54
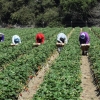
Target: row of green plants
x: 20, y: 69
x: 63, y: 80
x: 15, y: 76
x: 22, y: 32
x: 8, y: 54
x: 96, y: 31
x: 8, y: 33
x: 94, y: 53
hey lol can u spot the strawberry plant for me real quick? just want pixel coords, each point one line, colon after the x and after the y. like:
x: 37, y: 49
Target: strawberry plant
x: 63, y: 81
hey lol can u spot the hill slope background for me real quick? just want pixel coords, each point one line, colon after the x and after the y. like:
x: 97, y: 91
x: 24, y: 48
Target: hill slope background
x: 52, y: 13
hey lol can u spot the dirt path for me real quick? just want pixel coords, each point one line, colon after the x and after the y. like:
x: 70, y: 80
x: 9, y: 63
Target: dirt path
x: 89, y: 89
x: 36, y: 81
x: 34, y: 84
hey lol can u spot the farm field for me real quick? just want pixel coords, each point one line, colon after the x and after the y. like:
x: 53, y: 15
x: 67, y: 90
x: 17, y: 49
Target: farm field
x: 21, y: 63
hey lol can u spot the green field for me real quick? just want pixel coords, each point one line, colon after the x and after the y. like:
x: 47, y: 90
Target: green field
x: 64, y: 78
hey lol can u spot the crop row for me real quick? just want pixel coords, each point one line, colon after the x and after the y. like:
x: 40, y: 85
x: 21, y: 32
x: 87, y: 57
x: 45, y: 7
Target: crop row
x: 9, y: 54
x: 96, y: 31
x: 94, y: 53
x: 14, y: 77
x: 64, y: 78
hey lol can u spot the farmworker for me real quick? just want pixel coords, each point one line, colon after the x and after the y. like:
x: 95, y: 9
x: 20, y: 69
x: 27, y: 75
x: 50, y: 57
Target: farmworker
x: 39, y: 39
x: 1, y: 37
x: 15, y: 40
x: 84, y: 40
x: 61, y: 41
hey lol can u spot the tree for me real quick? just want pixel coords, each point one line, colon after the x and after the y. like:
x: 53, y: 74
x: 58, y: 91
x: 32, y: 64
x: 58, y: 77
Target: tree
x: 23, y: 16
x: 52, y: 12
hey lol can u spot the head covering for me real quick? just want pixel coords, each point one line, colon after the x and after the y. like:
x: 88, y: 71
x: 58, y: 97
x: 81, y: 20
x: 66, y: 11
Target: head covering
x: 40, y: 35
x: 82, y: 36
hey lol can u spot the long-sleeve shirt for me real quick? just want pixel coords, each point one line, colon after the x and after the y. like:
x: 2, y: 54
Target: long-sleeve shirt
x: 1, y: 37
x: 40, y: 38
x: 15, y: 37
x: 62, y: 35
x: 86, y: 40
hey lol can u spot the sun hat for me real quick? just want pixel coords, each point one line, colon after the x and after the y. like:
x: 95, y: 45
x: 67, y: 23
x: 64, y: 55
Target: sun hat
x: 82, y: 36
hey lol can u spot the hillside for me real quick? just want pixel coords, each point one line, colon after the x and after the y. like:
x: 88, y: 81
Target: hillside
x: 43, y: 13
x: 95, y: 15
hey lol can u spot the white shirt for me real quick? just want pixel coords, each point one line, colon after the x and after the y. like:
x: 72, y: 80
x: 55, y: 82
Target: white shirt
x: 15, y: 37
x: 62, y: 35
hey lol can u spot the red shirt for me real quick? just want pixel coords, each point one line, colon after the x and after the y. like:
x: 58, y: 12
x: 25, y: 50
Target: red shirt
x: 40, y: 38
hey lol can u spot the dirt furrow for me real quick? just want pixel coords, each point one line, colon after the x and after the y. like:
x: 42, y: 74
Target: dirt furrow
x: 89, y: 89
x: 35, y: 82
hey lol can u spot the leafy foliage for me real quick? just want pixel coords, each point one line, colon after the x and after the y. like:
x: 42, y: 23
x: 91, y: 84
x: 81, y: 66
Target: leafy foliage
x: 36, y: 11
x: 63, y: 80
x: 94, y: 54
x: 21, y: 61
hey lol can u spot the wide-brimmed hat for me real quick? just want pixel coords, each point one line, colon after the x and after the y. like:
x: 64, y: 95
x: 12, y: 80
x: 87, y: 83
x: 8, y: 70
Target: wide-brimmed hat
x: 82, y: 36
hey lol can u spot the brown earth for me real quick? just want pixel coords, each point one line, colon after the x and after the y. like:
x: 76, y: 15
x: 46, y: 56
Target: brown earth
x: 89, y: 89
x: 34, y: 84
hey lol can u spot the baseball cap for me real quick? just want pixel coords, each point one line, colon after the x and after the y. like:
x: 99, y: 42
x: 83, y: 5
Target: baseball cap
x: 82, y: 36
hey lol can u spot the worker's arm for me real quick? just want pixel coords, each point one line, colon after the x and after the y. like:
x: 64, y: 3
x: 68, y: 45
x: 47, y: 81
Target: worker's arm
x: 87, y: 39
x: 19, y: 40
x: 13, y: 40
x: 43, y: 39
x: 66, y: 40
x: 2, y: 37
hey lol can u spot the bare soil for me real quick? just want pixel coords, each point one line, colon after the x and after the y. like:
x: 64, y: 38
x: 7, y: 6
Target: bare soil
x: 89, y: 89
x: 34, y: 84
